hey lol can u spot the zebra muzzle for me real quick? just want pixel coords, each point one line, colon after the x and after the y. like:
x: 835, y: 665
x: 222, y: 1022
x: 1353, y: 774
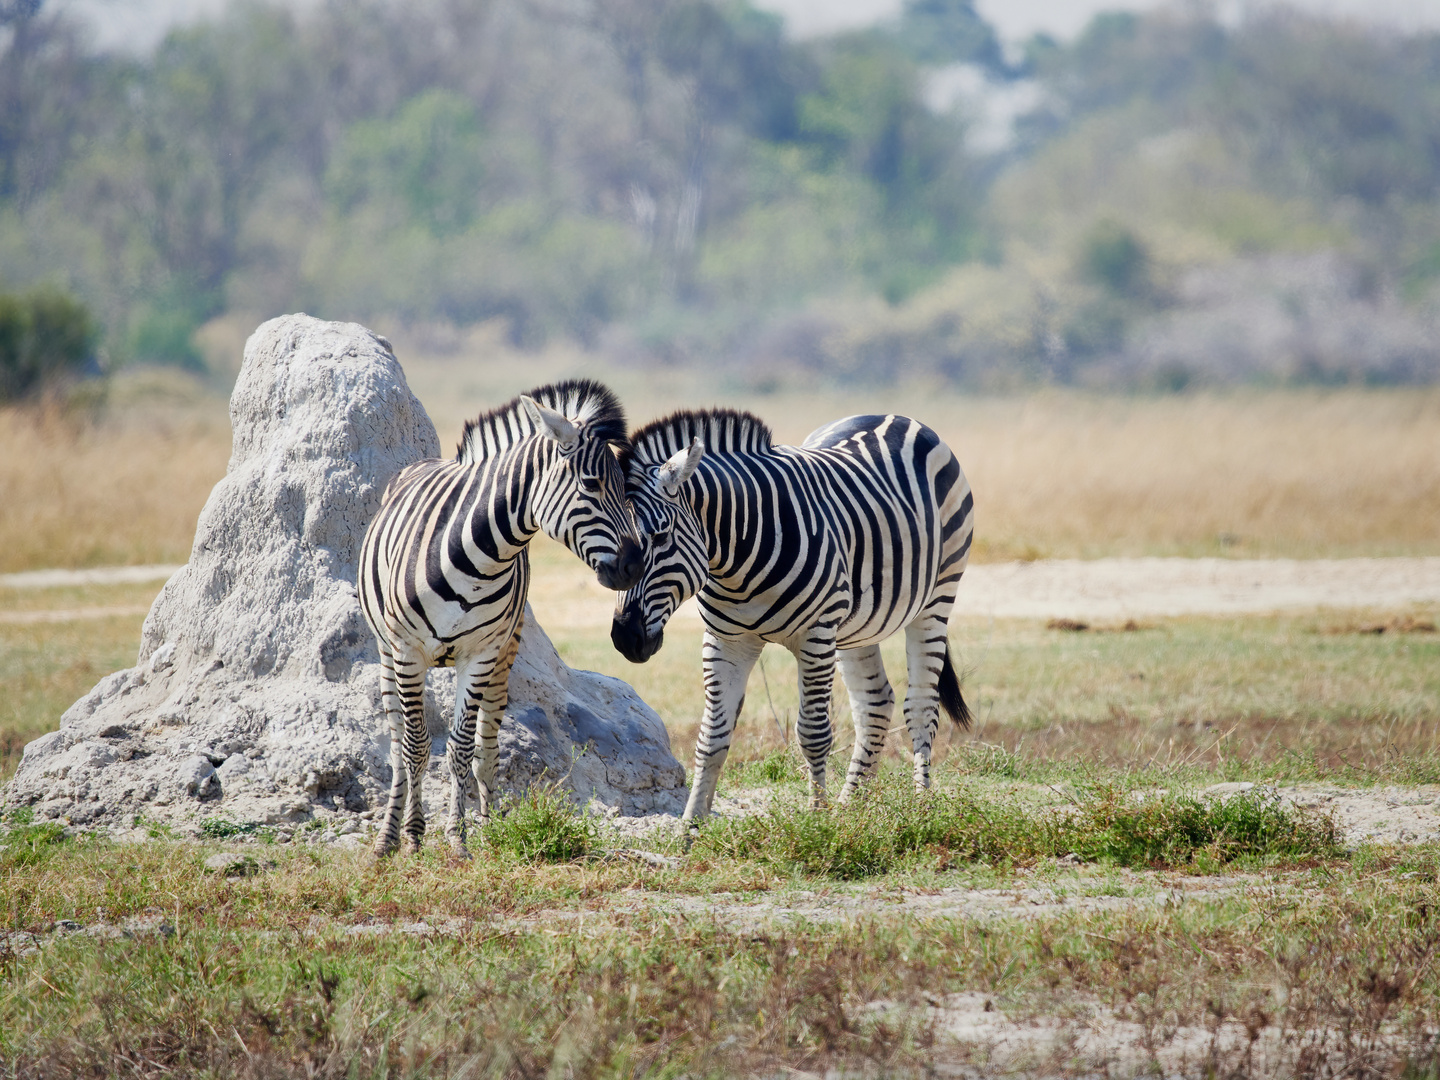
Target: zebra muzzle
x: 623, y: 571
x: 627, y: 634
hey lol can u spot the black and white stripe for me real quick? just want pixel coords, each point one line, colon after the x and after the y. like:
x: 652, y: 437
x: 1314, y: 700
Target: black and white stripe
x: 444, y: 574
x: 826, y: 548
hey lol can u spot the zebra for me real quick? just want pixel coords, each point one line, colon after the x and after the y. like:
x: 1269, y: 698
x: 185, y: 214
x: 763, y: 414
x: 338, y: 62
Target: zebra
x: 826, y: 548
x: 444, y: 573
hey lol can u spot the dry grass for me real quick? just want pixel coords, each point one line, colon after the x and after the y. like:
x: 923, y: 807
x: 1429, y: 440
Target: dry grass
x: 1299, y: 473
x: 121, y: 489
x: 1302, y: 473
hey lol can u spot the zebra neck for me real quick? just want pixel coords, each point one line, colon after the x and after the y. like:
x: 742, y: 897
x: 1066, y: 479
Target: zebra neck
x: 746, y: 506
x: 507, y: 487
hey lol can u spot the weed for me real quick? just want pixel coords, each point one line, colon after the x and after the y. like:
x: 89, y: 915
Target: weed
x: 777, y: 767
x: 29, y: 844
x: 543, y: 825
x: 1174, y: 829
x: 220, y: 829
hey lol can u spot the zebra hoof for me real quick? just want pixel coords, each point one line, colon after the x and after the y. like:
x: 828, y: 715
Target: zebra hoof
x: 459, y: 853
x: 411, y: 846
x: 382, y: 852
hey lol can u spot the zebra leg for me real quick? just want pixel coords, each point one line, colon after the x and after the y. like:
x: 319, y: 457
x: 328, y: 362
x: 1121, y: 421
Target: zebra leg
x: 494, y: 696
x: 815, y: 659
x: 872, y: 703
x: 460, y: 748
x: 402, y: 695
x: 727, y: 662
x: 925, y: 643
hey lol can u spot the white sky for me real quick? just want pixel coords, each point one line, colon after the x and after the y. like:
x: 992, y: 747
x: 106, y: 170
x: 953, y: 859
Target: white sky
x: 139, y: 24
x: 1018, y: 19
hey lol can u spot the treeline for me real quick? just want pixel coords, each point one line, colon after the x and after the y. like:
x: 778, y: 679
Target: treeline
x: 1190, y: 202
x: 562, y: 164
x: 679, y: 176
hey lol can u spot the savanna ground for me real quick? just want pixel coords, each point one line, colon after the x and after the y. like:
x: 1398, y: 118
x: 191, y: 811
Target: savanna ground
x: 1067, y: 902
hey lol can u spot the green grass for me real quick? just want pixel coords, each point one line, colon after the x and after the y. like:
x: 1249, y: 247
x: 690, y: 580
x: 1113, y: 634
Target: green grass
x: 543, y: 825
x: 25, y: 844
x: 890, y: 827
x: 545, y: 960
x: 581, y: 968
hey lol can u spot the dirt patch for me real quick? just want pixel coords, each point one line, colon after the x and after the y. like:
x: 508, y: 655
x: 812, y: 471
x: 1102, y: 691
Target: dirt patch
x: 1120, y: 589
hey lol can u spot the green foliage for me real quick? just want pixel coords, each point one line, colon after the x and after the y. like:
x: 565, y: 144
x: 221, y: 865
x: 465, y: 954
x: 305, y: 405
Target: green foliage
x: 164, y: 333
x: 45, y: 335
x: 1175, y: 830
x: 950, y: 32
x: 889, y: 826
x: 220, y: 829
x: 425, y: 165
x: 777, y: 767
x: 25, y: 844
x: 1114, y: 258
x: 543, y: 825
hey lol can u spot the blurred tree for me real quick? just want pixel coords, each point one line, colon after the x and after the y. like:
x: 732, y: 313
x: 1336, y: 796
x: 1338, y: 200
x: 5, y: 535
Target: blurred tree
x: 44, y: 336
x: 951, y: 32
x: 427, y: 163
x: 1115, y: 259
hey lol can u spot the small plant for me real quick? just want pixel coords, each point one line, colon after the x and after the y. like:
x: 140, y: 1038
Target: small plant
x: 543, y: 825
x: 988, y: 759
x: 28, y: 844
x: 156, y: 830
x: 220, y: 829
x: 777, y: 767
x: 1173, y: 830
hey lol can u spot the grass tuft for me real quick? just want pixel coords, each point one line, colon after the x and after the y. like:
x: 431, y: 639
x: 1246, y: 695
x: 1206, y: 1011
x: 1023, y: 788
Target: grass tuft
x: 543, y: 825
x: 27, y: 844
x: 889, y: 827
x: 220, y: 829
x: 777, y: 767
x: 1178, y: 830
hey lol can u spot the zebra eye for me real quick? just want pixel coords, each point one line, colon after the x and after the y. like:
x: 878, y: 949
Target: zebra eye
x: 590, y: 483
x: 660, y: 538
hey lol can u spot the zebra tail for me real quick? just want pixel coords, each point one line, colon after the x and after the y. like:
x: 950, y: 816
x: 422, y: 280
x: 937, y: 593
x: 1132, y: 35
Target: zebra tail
x: 951, y: 699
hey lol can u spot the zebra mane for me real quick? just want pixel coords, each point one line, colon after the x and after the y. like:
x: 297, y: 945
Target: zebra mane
x: 589, y: 404
x: 721, y: 431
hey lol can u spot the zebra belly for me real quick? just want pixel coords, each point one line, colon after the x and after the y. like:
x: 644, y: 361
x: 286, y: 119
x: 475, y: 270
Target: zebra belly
x: 864, y: 628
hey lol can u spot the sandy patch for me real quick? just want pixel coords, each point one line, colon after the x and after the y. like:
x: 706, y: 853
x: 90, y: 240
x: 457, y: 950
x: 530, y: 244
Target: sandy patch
x: 1129, y: 588
x: 568, y: 597
x: 1106, y: 589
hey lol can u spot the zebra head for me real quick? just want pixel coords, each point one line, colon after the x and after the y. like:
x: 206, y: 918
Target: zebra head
x: 580, y: 500
x: 676, y: 557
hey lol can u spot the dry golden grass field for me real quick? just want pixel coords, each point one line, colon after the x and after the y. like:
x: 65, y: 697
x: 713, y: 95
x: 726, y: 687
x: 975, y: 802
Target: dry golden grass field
x: 1064, y: 903
x: 1057, y: 473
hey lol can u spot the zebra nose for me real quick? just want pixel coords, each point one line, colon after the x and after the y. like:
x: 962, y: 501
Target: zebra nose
x: 627, y: 634
x: 631, y: 558
x: 623, y: 571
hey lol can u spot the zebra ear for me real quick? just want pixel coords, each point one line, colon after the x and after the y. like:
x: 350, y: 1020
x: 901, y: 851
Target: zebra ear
x: 553, y: 425
x: 680, y: 468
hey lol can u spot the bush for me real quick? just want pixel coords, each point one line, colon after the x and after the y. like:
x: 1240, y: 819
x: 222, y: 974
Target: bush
x: 45, y: 335
x: 542, y: 826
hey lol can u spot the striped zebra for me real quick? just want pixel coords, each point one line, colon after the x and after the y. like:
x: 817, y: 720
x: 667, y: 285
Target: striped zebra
x: 826, y: 548
x: 444, y: 572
